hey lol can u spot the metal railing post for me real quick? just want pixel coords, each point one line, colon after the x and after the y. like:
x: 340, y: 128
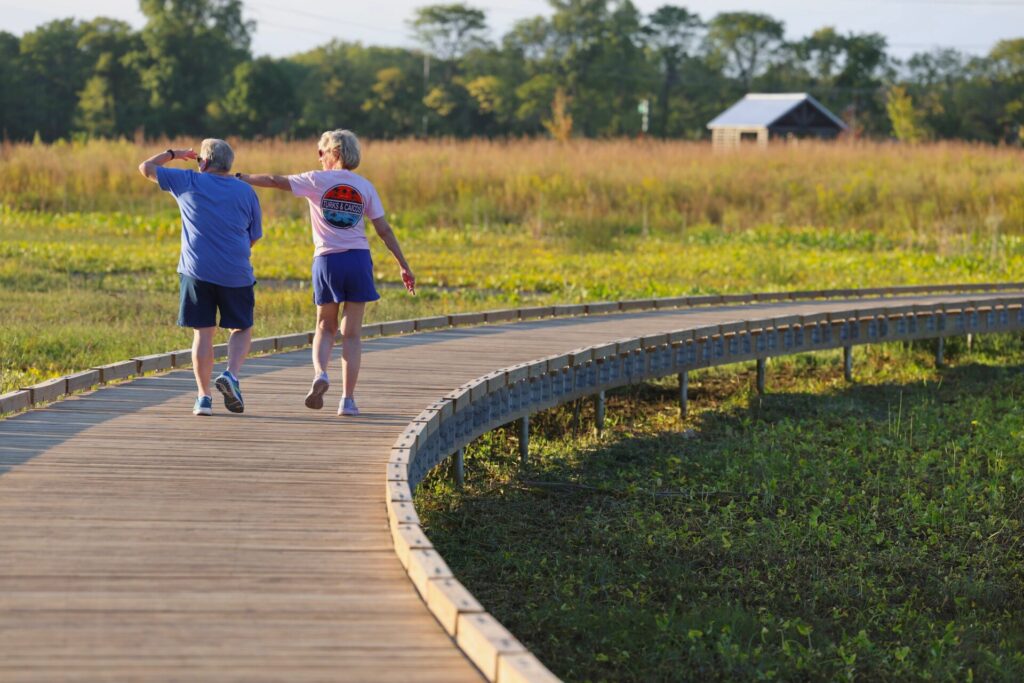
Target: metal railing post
x: 524, y: 439
x: 848, y: 363
x: 684, y: 389
x: 761, y: 362
x: 460, y: 467
x: 940, y: 352
x: 599, y: 411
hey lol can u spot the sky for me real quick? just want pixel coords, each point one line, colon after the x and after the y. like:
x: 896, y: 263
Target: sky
x: 284, y: 28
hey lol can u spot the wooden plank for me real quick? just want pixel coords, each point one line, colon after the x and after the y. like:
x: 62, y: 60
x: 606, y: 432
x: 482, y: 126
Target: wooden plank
x: 397, y: 327
x: 115, y: 371
x: 80, y: 381
x: 425, y: 566
x: 457, y: 319
x: 601, y: 307
x: 705, y: 300
x: 672, y: 302
x: 636, y: 304
x: 261, y: 345
x: 407, y: 538
x: 533, y: 312
x: 402, y: 512
x: 368, y: 331
x: 153, y: 362
x: 523, y: 667
x: 564, y: 310
x: 290, y: 341
x: 183, y: 357
x: 483, y: 640
x: 47, y: 391
x: 447, y: 599
x: 437, y: 322
x: 501, y: 315
x: 14, y: 401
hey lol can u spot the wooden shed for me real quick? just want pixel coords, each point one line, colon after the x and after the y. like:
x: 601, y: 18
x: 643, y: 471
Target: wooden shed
x: 759, y: 117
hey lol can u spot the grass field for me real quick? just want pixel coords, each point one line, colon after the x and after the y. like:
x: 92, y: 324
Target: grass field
x: 822, y: 532
x: 88, y: 248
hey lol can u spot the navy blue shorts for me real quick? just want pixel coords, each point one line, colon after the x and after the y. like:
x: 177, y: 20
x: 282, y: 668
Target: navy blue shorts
x: 201, y: 300
x: 343, y: 276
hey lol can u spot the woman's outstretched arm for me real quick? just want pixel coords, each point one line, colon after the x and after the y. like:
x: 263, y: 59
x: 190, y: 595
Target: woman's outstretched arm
x: 277, y: 182
x: 387, y: 235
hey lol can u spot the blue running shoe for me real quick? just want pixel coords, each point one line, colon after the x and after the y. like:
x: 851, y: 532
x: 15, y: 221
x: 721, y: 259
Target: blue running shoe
x: 228, y: 385
x: 203, y: 406
x: 348, y: 407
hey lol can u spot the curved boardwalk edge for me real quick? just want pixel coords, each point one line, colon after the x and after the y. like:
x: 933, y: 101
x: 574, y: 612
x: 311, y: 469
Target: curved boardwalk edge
x: 511, y: 393
x: 59, y: 387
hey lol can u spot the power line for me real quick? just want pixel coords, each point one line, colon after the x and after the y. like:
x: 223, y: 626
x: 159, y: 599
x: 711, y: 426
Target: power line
x: 323, y: 17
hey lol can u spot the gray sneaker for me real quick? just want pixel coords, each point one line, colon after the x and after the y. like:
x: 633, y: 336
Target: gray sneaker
x: 348, y: 407
x: 315, y: 397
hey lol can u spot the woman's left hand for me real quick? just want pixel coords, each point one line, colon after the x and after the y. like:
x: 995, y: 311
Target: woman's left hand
x: 409, y: 280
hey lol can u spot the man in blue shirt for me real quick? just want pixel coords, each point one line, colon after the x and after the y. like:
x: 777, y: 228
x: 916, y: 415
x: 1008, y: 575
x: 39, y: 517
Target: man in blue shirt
x: 220, y: 221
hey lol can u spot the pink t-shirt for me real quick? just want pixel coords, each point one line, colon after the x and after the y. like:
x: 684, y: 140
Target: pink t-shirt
x: 338, y: 203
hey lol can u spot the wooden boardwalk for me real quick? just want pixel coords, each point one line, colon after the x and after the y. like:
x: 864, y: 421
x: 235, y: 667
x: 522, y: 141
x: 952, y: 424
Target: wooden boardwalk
x: 140, y: 543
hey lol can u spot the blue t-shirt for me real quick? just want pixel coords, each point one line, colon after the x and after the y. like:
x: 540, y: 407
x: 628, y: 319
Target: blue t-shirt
x: 220, y: 217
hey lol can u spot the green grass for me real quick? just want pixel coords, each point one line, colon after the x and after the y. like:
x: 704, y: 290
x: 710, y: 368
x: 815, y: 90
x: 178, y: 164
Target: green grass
x: 82, y: 289
x: 822, y: 532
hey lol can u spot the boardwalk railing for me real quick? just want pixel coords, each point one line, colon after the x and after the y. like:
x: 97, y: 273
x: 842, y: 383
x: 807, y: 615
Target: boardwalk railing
x: 513, y: 393
x: 55, y: 389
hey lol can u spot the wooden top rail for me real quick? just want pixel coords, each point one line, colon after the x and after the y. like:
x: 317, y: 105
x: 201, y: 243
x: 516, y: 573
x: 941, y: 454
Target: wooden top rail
x: 139, y: 542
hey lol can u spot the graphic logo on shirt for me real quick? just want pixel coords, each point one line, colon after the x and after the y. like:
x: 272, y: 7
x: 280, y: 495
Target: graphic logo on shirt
x: 342, y: 206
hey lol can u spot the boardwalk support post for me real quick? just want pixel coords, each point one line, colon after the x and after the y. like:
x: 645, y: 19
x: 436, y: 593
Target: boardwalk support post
x: 599, y: 411
x: 940, y: 352
x: 524, y: 439
x: 848, y: 363
x: 684, y: 389
x: 760, y: 374
x: 460, y: 467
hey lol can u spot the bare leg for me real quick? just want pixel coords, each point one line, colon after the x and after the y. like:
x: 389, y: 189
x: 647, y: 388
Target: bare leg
x: 202, y: 357
x: 323, y: 338
x: 238, y: 349
x: 351, y: 345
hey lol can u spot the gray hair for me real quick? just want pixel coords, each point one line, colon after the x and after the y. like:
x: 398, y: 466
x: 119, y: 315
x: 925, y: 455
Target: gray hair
x: 342, y: 144
x: 218, y: 153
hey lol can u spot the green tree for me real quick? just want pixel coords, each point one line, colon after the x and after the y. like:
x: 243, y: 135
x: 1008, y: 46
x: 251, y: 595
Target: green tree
x: 14, y: 116
x: 112, y: 101
x: 448, y: 32
x: 1007, y: 68
x: 55, y: 71
x: 260, y: 101
x: 394, y: 105
x: 190, y: 50
x: 907, y: 124
x: 745, y: 42
x: 671, y: 33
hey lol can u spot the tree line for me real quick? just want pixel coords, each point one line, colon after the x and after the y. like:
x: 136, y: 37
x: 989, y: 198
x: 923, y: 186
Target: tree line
x: 591, y: 68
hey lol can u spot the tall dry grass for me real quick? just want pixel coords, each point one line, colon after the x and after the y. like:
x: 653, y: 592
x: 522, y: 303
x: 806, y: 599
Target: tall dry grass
x: 589, y: 189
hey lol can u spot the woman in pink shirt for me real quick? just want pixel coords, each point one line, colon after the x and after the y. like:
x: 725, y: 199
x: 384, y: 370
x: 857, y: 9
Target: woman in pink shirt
x: 339, y: 203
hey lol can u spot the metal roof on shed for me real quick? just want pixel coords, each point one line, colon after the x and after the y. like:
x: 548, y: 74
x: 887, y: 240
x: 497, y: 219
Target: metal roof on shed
x: 758, y: 109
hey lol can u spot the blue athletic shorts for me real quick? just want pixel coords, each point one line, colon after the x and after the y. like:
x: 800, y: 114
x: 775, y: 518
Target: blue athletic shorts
x: 201, y: 300
x: 343, y: 276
